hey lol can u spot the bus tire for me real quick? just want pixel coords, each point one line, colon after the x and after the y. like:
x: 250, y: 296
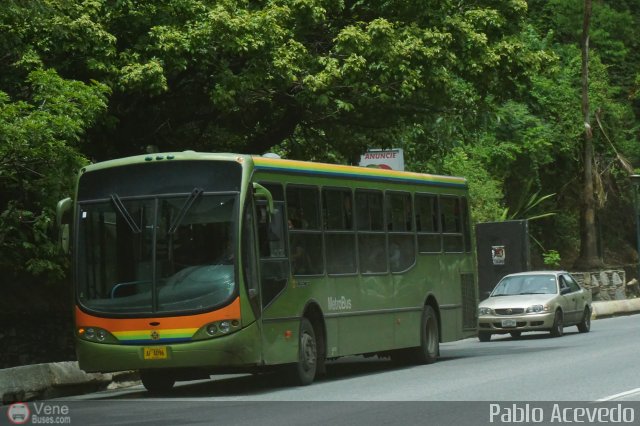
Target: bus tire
x: 157, y: 381
x: 303, y: 372
x: 429, y: 349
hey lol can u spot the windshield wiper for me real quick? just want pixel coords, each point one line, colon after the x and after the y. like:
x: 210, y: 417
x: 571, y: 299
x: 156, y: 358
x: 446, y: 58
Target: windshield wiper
x: 184, y: 209
x: 125, y: 214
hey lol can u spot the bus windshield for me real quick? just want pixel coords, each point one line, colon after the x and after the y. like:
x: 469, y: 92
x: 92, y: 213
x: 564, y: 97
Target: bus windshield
x: 156, y: 255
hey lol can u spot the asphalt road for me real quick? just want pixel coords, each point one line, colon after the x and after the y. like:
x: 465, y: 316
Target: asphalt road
x: 602, y: 365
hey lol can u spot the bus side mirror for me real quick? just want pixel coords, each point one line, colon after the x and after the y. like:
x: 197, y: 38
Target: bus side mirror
x: 63, y: 220
x: 261, y: 192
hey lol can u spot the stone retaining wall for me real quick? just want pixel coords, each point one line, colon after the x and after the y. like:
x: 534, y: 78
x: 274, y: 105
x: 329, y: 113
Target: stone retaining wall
x: 604, y: 285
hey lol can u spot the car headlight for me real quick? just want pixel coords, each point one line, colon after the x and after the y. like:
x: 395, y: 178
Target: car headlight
x: 537, y: 309
x: 485, y: 311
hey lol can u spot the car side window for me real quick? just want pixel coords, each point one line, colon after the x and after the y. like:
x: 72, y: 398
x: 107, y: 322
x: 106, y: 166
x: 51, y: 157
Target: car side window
x: 563, y: 284
x: 573, y: 285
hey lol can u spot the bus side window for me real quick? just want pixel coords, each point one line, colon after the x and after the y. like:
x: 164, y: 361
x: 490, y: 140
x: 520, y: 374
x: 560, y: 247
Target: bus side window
x: 402, y: 253
x: 428, y: 223
x: 340, y: 241
x: 466, y: 224
x: 305, y: 231
x: 451, y: 224
x: 372, y: 241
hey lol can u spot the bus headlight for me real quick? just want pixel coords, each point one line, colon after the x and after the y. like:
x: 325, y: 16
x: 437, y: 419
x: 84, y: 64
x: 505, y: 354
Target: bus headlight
x: 225, y: 326
x: 217, y: 328
x: 95, y: 334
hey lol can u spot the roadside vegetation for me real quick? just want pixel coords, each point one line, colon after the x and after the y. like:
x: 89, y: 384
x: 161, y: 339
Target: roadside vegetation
x: 486, y: 90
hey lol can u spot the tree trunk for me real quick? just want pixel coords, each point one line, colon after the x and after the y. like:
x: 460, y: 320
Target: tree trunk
x: 589, y: 258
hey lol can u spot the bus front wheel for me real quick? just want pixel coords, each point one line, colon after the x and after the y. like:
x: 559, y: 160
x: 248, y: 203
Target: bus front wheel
x: 157, y: 381
x: 303, y: 372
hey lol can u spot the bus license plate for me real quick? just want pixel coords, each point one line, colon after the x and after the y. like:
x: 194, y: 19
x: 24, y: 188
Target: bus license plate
x: 155, y: 352
x: 508, y: 323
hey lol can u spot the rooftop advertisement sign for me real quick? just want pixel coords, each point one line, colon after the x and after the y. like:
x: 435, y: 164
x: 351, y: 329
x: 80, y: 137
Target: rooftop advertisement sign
x: 391, y: 159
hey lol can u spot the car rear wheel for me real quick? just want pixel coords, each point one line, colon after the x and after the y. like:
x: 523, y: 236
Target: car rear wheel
x: 558, y: 328
x: 483, y: 336
x: 585, y: 325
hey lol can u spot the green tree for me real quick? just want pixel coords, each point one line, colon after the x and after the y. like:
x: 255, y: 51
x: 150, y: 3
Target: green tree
x: 247, y: 76
x: 40, y: 135
x: 613, y: 126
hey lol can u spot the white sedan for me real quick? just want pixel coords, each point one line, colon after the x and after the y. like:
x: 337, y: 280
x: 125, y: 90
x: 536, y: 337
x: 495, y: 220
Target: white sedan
x: 534, y: 301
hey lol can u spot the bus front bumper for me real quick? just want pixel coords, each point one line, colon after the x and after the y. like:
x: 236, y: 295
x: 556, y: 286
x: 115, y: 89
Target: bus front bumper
x: 240, y: 349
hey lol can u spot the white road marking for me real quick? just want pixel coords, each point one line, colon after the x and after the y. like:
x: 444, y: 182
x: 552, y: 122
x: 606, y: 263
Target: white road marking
x: 619, y: 395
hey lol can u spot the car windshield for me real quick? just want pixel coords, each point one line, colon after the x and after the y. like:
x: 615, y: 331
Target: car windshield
x: 526, y: 284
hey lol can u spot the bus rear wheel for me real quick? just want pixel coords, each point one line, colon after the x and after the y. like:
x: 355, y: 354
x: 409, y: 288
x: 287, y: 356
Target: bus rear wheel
x: 157, y: 381
x: 303, y: 372
x: 429, y: 349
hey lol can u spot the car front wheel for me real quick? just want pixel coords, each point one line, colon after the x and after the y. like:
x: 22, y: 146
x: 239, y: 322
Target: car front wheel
x: 483, y: 336
x: 558, y: 328
x: 585, y: 325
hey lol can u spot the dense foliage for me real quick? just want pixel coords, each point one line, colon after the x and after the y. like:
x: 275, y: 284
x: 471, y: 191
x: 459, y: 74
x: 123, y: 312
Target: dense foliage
x: 487, y: 89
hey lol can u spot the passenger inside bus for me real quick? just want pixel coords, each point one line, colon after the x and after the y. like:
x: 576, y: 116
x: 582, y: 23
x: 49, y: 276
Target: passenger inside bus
x: 300, y: 260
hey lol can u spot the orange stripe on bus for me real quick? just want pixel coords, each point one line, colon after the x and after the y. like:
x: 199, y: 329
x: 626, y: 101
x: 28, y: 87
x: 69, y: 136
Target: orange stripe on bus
x: 231, y: 311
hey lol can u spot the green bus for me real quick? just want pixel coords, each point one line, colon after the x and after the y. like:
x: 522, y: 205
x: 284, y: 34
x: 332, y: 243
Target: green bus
x: 190, y: 264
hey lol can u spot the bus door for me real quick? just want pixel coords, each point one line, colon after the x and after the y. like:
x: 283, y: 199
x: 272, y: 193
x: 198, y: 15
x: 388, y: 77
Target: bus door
x: 274, y: 264
x: 274, y: 277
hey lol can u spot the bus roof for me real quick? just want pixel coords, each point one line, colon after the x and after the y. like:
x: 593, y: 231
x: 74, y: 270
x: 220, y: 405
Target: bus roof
x: 354, y: 172
x: 307, y: 168
x: 164, y: 156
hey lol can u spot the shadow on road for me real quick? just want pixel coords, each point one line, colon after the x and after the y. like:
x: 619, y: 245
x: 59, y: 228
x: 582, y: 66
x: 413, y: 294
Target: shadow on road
x: 249, y: 385
x: 261, y: 383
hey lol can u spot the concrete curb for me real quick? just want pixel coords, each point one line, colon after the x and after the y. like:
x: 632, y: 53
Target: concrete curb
x: 609, y: 308
x: 46, y: 381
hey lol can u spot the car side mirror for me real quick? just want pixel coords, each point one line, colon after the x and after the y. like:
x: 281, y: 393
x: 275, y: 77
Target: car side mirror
x: 565, y: 290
